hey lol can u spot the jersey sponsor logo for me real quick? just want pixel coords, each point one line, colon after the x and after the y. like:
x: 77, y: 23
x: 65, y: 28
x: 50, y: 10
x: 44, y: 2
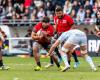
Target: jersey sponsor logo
x: 64, y: 21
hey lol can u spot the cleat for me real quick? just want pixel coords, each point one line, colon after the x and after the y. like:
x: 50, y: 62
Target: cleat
x: 76, y: 64
x: 49, y: 65
x: 4, y: 67
x: 64, y: 69
x: 61, y: 67
x: 38, y: 68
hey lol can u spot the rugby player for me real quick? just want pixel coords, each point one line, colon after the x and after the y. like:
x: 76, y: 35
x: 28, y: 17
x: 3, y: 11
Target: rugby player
x: 72, y: 38
x: 44, y: 25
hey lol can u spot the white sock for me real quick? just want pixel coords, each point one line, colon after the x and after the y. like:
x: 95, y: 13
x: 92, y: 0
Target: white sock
x: 89, y: 60
x: 64, y: 58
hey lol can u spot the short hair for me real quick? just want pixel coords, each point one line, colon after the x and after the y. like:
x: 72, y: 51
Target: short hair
x: 58, y: 8
x: 46, y: 19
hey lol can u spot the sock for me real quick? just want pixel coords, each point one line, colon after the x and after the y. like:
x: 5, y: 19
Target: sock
x: 65, y: 59
x: 55, y: 60
x: 57, y: 52
x: 75, y: 56
x: 58, y: 65
x: 1, y: 63
x: 39, y: 64
x: 89, y: 60
x: 51, y: 60
x: 69, y: 62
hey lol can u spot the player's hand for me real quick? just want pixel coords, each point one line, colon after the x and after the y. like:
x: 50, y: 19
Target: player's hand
x: 47, y: 54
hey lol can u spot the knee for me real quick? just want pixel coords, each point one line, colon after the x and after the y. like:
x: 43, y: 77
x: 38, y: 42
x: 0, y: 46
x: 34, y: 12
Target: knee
x: 64, y: 50
x: 83, y: 52
x: 35, y: 50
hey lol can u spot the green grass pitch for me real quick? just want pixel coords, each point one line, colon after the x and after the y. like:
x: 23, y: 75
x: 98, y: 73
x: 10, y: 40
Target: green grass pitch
x: 23, y: 69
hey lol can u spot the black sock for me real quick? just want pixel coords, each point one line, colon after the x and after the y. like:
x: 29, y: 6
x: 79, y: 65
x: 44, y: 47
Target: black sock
x: 51, y: 60
x: 39, y: 64
x: 57, y: 52
x: 1, y: 63
x: 75, y: 56
x: 56, y: 61
x: 69, y: 62
x: 58, y: 65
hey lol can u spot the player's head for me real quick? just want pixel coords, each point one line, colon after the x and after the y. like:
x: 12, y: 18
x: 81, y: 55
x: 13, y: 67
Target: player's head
x: 59, y: 12
x: 45, y: 22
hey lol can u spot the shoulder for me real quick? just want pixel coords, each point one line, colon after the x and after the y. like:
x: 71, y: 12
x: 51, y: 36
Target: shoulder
x: 66, y: 16
x: 38, y: 25
x: 51, y: 27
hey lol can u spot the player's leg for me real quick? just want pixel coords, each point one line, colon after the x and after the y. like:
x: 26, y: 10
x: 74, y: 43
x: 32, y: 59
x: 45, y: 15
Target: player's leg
x: 76, y: 59
x: 55, y: 59
x: 65, y: 49
x: 74, y: 56
x: 2, y: 66
x: 87, y: 57
x: 36, y: 48
x: 51, y: 59
x: 58, y: 54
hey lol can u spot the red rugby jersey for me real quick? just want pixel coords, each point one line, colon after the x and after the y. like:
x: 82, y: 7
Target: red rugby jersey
x: 63, y: 24
x: 49, y: 30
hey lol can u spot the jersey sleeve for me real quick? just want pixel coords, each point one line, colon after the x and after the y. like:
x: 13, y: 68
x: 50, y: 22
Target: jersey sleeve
x: 36, y: 27
x: 70, y: 21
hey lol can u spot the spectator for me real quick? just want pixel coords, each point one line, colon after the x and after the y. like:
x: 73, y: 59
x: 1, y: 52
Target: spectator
x: 73, y: 14
x: 76, y: 5
x: 27, y: 13
x: 21, y: 10
x: 87, y: 4
x: 67, y: 7
x: 49, y: 6
x: 87, y: 16
x: 33, y: 15
x: 88, y: 13
x: 41, y: 13
x: 94, y: 11
x: 81, y: 13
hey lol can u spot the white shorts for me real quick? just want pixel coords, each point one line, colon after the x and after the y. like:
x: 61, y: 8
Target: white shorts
x: 77, y: 39
x: 41, y: 50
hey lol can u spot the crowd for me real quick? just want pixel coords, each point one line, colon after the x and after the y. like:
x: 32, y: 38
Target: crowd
x: 82, y: 11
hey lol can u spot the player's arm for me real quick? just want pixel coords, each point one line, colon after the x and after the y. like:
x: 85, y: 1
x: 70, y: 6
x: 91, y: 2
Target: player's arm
x: 34, y: 36
x: 53, y: 47
x: 71, y: 23
x: 55, y: 28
